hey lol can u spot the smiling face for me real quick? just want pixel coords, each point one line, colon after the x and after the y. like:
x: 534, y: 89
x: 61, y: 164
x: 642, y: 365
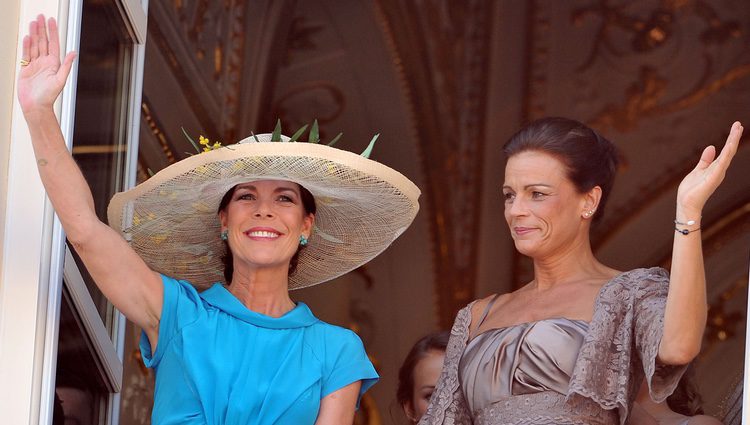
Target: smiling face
x: 264, y: 220
x: 543, y: 209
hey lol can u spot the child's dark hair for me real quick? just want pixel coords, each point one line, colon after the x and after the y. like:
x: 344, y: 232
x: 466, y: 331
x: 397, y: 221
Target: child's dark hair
x: 437, y: 341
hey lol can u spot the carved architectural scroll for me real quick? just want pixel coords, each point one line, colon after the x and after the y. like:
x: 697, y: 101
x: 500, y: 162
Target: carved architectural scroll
x: 443, y: 52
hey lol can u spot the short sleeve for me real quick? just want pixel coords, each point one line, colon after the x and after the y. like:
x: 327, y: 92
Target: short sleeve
x: 650, y: 305
x: 623, y: 342
x: 347, y: 364
x: 181, y: 306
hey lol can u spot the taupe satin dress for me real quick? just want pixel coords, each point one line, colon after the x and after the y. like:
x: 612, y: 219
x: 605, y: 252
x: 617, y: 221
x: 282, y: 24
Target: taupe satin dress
x: 533, y: 361
x: 559, y: 371
x: 523, y: 359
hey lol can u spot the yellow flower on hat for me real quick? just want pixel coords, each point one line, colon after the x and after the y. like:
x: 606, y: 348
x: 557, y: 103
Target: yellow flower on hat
x: 207, y: 145
x: 202, y: 141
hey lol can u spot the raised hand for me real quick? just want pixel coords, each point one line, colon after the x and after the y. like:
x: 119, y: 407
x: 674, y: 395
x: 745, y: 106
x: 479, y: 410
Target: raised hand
x: 43, y: 78
x: 700, y: 184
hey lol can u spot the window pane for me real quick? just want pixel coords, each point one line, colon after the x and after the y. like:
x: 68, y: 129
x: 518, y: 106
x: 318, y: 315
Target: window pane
x: 100, y: 132
x: 80, y: 392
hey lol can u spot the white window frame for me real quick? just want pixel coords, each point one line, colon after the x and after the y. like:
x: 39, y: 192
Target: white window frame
x: 35, y: 256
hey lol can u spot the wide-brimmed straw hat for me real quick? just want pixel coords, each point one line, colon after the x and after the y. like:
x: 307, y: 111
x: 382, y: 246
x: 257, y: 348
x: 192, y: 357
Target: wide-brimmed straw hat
x: 171, y: 219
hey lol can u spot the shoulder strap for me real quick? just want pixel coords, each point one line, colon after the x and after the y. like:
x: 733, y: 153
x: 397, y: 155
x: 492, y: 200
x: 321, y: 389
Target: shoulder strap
x: 487, y: 310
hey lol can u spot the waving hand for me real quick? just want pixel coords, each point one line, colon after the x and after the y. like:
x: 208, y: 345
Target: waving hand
x: 700, y: 184
x: 42, y: 79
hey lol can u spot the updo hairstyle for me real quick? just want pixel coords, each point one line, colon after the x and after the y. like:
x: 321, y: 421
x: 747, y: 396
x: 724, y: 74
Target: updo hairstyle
x: 590, y: 159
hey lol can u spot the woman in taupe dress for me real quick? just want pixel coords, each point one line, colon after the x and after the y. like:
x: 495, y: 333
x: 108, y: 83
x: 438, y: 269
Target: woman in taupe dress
x: 573, y: 345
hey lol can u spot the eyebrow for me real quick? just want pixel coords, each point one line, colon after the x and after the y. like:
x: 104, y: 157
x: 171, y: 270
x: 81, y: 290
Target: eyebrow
x: 530, y: 185
x: 250, y: 186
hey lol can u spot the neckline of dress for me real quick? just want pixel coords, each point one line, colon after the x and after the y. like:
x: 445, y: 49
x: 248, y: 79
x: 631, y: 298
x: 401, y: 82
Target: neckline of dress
x: 219, y: 297
x: 611, y: 281
x: 528, y: 324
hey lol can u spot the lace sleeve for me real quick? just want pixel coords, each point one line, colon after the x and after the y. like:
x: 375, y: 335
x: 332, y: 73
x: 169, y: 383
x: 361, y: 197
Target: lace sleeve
x: 649, y: 327
x: 623, y: 341
x: 447, y: 405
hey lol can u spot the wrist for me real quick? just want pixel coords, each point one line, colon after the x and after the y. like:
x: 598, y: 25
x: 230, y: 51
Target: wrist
x: 686, y: 214
x: 39, y: 114
x: 687, y: 222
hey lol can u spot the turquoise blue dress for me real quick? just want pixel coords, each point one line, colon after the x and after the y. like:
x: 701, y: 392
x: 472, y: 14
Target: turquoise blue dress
x: 218, y: 363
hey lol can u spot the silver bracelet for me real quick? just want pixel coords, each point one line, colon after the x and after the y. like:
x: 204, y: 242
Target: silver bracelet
x: 687, y: 223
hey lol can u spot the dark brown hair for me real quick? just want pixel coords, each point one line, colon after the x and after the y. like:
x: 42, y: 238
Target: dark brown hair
x: 591, y: 160
x: 435, y: 341
x: 308, y: 203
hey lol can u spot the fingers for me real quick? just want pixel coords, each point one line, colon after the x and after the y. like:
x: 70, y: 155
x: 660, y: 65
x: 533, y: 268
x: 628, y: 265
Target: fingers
x: 42, y: 33
x: 34, y: 47
x: 26, y: 52
x: 707, y: 157
x: 64, y: 70
x: 43, y: 40
x: 731, y: 145
x: 54, y: 38
x: 727, y: 152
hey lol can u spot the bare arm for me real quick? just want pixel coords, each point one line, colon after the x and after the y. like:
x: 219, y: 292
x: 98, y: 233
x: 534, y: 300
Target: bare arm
x: 120, y: 273
x: 686, y: 309
x: 339, y: 406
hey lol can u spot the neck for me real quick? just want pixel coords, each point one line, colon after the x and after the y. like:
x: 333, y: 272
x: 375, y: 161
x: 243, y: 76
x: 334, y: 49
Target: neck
x: 262, y: 290
x: 574, y: 262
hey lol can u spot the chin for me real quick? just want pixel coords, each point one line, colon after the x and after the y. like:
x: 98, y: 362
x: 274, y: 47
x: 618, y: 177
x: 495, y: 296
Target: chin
x: 526, y: 248
x: 269, y: 260
x: 532, y: 251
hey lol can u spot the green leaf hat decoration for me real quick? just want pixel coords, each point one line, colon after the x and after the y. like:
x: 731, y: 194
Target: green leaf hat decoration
x: 313, y: 136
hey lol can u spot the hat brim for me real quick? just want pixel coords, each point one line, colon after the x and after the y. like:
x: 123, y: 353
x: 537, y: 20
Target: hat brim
x: 171, y: 219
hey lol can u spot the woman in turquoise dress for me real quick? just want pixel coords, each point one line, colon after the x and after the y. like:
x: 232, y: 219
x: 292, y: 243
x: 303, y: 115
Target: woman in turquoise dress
x: 202, y: 257
x: 573, y: 345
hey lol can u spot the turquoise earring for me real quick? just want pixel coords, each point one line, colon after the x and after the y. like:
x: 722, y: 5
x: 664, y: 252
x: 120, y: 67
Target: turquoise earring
x: 302, y: 240
x: 225, y: 235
